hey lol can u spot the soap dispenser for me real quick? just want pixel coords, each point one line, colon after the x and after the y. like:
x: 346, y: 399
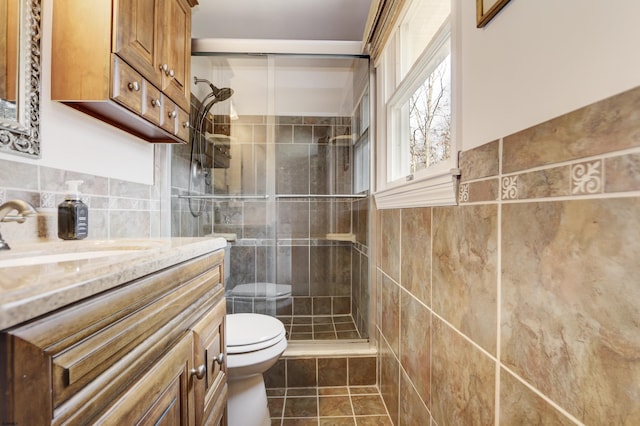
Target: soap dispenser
x: 73, y: 214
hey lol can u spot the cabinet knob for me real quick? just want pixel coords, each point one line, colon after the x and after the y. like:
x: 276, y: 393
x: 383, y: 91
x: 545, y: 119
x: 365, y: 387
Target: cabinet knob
x: 185, y: 124
x: 170, y: 73
x: 219, y: 359
x: 134, y: 86
x: 199, y: 371
x: 164, y: 67
x: 155, y: 102
x: 172, y: 114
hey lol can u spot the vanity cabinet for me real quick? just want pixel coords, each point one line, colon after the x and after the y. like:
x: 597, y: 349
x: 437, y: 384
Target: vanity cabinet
x: 151, y: 351
x: 126, y: 62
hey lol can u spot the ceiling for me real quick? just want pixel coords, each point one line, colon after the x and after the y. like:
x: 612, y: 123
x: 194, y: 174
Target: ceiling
x: 333, y: 20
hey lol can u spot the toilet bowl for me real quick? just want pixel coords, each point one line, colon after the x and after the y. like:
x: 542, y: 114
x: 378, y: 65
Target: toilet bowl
x: 254, y: 343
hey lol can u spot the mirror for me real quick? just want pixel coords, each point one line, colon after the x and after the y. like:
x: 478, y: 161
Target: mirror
x: 20, y: 77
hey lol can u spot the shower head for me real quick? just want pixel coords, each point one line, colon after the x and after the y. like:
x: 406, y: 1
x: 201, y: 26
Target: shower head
x: 220, y: 94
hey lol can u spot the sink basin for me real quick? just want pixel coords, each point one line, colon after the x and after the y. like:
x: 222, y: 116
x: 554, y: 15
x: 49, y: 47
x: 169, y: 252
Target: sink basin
x: 41, y: 259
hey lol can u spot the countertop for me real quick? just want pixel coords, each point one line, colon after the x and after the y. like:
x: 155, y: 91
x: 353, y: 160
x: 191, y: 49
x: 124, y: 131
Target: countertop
x: 27, y: 292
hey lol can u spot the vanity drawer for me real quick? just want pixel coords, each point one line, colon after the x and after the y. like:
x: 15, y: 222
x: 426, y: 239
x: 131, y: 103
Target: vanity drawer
x: 152, y: 103
x: 169, y: 115
x: 182, y: 129
x: 127, y: 85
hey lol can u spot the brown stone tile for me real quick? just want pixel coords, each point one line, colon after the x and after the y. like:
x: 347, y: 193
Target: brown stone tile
x: 276, y: 421
x: 415, y: 348
x: 337, y: 421
x: 293, y: 219
x: 362, y: 371
x: 322, y: 306
x: 368, y: 404
x: 374, y: 421
x: 569, y: 304
x: 339, y: 390
x: 301, y: 306
x: 274, y: 377
x: 605, y: 126
x: 465, y: 270
x: 480, y: 162
x: 390, y: 321
x: 545, y: 183
x: 622, y: 173
x: 323, y: 327
x: 301, y: 372
x: 413, y: 409
x: 276, y: 391
x: 416, y: 252
x: 389, y: 385
x: 333, y: 406
x: 363, y: 390
x: 311, y: 421
x: 390, y: 243
x: 484, y: 190
x: 464, y: 378
x: 332, y: 371
x: 345, y: 326
x: 301, y: 407
x: 302, y: 320
x: 302, y: 391
x: 341, y: 305
x: 276, y: 406
x: 521, y: 406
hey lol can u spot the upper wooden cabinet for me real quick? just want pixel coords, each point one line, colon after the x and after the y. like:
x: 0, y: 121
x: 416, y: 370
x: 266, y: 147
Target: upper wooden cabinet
x: 105, y: 48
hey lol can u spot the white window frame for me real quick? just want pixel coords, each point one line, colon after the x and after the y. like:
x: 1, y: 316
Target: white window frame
x: 435, y: 185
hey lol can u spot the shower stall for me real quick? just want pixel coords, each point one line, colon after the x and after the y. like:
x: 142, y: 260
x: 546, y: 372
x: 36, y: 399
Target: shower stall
x: 278, y: 164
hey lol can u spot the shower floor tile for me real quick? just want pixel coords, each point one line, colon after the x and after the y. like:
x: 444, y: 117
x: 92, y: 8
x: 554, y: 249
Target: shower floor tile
x: 340, y: 405
x: 321, y: 327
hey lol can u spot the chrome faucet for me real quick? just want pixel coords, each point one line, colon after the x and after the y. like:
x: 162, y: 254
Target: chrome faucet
x: 24, y: 210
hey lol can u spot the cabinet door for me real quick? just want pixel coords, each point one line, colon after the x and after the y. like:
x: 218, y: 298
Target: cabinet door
x: 162, y: 396
x: 137, y: 37
x: 176, y: 58
x: 210, y: 355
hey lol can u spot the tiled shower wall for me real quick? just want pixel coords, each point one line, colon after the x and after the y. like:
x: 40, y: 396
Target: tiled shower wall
x: 520, y: 305
x: 117, y: 208
x: 284, y: 240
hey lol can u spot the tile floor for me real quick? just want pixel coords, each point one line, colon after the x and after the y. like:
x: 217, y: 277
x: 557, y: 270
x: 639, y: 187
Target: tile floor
x: 323, y: 327
x: 327, y: 406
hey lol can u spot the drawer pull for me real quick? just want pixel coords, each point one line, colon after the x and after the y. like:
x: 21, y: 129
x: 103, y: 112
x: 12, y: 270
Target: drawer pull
x: 170, y: 73
x: 199, y: 372
x: 164, y: 67
x: 219, y: 359
x: 155, y: 102
x: 134, y: 86
x: 172, y: 114
x: 185, y: 124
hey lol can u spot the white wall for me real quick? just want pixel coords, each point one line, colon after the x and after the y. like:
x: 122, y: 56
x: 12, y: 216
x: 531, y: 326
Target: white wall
x: 539, y: 59
x: 74, y: 141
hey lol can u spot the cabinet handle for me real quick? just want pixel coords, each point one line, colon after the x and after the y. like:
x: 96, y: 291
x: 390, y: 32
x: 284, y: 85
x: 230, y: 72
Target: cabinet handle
x: 172, y: 114
x: 185, y: 124
x: 170, y: 73
x: 134, y: 86
x: 199, y: 371
x: 155, y: 102
x: 219, y: 359
x: 164, y: 67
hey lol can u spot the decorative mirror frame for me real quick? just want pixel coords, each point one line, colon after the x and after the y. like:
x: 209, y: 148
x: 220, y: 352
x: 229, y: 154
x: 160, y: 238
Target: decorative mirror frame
x: 22, y: 137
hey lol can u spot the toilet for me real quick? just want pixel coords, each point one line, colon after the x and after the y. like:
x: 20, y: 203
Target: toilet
x: 254, y: 343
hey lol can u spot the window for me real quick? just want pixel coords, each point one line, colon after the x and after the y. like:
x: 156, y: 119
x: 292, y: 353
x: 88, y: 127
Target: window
x: 416, y: 149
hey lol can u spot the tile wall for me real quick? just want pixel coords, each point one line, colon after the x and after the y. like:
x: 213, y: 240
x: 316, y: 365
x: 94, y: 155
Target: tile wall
x: 520, y: 305
x: 117, y: 208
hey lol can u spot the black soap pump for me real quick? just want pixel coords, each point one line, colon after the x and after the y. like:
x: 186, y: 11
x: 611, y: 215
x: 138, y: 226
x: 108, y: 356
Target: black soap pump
x: 73, y: 214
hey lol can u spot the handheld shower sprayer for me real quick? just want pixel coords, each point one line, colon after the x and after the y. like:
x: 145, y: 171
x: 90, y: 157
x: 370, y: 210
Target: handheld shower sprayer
x: 198, y: 141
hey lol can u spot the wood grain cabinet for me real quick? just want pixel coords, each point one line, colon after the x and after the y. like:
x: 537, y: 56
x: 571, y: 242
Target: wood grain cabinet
x: 126, y: 62
x: 151, y: 351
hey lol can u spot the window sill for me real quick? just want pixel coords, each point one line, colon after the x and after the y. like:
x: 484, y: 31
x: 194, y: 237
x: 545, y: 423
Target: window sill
x: 434, y: 190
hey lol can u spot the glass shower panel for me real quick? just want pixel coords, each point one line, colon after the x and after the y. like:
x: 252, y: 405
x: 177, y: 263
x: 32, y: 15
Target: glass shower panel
x: 284, y: 175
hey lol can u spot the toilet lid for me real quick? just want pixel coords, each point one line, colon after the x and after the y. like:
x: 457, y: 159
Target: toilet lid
x: 252, y: 332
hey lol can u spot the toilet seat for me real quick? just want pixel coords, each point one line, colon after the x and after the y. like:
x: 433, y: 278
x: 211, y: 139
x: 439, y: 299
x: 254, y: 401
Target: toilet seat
x: 252, y: 332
